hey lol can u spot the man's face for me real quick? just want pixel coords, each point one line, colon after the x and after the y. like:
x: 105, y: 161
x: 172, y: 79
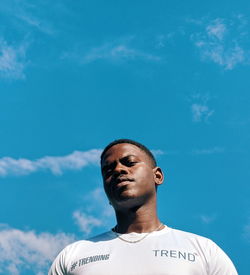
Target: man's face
x: 128, y: 176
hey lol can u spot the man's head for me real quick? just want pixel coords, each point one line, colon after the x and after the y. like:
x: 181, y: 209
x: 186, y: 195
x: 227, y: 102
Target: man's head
x: 130, y: 174
x: 133, y: 142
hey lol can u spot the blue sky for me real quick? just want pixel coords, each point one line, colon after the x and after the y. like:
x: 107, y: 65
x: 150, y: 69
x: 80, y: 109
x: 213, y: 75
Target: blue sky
x: 74, y: 75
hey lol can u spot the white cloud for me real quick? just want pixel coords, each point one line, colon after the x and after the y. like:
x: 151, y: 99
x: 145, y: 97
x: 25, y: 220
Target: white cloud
x: 55, y: 164
x: 209, y: 151
x: 12, y: 60
x: 216, y: 29
x: 162, y: 40
x: 86, y: 222
x: 97, y: 211
x: 157, y: 152
x: 227, y: 58
x: 103, y: 208
x: 116, y: 51
x: 207, y: 219
x: 220, y: 42
x: 27, y: 250
x: 37, y: 23
x: 200, y: 110
x: 23, y: 15
x: 246, y: 231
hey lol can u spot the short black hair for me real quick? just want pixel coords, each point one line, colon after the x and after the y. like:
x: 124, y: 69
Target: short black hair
x: 133, y: 142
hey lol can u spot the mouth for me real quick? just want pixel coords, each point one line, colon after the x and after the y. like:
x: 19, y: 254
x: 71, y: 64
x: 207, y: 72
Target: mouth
x: 118, y: 186
x: 122, y: 179
x: 121, y: 182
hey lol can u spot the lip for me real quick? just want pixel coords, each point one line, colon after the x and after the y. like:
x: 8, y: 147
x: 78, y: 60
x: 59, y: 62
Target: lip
x: 122, y: 183
x: 121, y: 180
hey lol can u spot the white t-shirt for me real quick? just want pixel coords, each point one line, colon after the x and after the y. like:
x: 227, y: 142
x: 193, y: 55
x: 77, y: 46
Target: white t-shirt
x: 165, y: 252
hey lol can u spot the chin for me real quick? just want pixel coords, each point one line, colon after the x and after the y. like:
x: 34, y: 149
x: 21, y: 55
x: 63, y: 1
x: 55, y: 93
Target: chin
x: 126, y: 202
x: 126, y: 195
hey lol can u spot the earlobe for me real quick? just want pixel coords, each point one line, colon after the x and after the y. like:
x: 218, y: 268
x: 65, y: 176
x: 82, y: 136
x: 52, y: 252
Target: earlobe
x: 158, y: 175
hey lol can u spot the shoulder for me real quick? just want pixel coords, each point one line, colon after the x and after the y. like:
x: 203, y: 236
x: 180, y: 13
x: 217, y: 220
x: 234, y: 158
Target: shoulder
x: 192, y: 237
x: 65, y: 259
x: 216, y: 259
x: 204, y: 244
x: 88, y: 242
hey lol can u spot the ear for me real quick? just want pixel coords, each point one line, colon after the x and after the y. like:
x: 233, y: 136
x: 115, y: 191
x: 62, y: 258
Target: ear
x: 158, y: 176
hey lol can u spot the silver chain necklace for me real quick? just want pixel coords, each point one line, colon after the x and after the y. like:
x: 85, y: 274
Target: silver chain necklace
x: 136, y: 241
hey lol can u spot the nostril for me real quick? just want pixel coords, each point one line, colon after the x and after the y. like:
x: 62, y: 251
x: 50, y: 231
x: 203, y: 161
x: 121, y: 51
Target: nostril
x: 120, y: 168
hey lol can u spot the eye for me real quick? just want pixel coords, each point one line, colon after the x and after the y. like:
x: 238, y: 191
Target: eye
x: 107, y: 170
x: 107, y: 173
x: 129, y: 162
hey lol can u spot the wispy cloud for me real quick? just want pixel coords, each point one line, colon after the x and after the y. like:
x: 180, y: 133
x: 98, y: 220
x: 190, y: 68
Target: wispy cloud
x: 12, y: 60
x: 28, y: 250
x: 208, y: 219
x: 35, y: 22
x: 208, y: 151
x: 157, y: 152
x: 216, y: 29
x: 86, y: 222
x: 200, y: 109
x: 200, y: 112
x: 96, y: 213
x: 26, y: 15
x: 221, y: 41
x: 55, y: 164
x: 116, y: 51
x: 246, y: 231
x: 162, y: 40
x: 103, y: 209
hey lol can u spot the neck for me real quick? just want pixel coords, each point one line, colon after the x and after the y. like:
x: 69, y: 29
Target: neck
x: 139, y: 219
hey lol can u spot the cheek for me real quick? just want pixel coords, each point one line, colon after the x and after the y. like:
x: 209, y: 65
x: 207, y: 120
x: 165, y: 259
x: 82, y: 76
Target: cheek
x: 145, y: 175
x: 106, y: 187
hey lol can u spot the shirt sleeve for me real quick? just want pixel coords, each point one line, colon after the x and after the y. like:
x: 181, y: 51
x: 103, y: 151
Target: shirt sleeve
x: 220, y: 263
x: 58, y: 266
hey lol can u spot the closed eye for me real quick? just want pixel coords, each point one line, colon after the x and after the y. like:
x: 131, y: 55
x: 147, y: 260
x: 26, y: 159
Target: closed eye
x: 107, y: 169
x: 128, y: 162
x: 131, y: 163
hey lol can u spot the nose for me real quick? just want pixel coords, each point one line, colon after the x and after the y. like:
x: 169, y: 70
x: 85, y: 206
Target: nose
x: 120, y: 169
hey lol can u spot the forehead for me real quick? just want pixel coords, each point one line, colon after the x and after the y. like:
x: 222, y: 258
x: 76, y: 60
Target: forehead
x: 122, y: 150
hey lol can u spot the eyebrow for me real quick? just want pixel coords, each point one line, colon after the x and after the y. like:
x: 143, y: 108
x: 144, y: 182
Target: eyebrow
x: 129, y: 156
x: 105, y: 163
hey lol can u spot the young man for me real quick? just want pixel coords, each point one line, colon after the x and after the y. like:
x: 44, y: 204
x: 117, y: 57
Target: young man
x: 140, y: 244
